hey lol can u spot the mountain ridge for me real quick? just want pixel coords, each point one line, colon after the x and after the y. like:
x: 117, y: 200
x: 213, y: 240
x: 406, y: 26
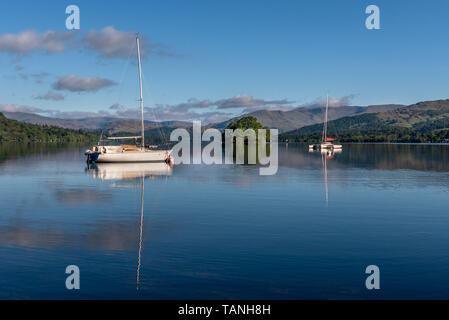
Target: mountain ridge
x: 420, y: 122
x: 109, y: 124
x: 303, y: 116
x: 426, y: 121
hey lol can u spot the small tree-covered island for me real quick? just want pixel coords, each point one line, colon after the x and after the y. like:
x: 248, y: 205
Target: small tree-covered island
x: 249, y: 122
x: 249, y: 144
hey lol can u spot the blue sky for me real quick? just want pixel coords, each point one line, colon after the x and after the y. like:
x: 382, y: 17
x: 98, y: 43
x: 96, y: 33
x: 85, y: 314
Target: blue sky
x: 219, y: 54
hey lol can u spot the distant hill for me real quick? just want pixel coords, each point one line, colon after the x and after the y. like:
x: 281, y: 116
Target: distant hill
x: 302, y: 116
x: 133, y: 126
x: 110, y: 125
x: 13, y: 130
x: 282, y: 120
x: 422, y: 122
x: 92, y: 123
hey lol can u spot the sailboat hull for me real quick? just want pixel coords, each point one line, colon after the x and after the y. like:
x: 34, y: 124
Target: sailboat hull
x: 134, y: 156
x: 325, y: 147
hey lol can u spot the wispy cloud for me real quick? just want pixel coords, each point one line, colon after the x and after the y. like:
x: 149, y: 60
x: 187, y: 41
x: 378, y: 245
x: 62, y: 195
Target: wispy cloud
x: 213, y: 111
x: 108, y: 42
x: 273, y: 107
x: 77, y: 83
x: 76, y: 114
x: 333, y: 102
x: 246, y: 101
x: 22, y: 108
x: 112, y: 43
x: 50, y: 95
x: 116, y: 106
x: 172, y: 113
x: 30, y: 40
x: 206, y: 110
x: 37, y: 77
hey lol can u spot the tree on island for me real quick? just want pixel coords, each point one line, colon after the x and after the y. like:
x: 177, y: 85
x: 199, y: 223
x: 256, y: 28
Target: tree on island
x: 249, y: 122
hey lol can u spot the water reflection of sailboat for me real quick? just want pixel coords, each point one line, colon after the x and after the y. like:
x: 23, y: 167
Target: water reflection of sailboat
x: 125, y: 171
x: 131, y: 171
x: 325, y: 156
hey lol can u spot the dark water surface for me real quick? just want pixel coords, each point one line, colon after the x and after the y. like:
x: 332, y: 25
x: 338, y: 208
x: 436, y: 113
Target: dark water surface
x: 224, y: 231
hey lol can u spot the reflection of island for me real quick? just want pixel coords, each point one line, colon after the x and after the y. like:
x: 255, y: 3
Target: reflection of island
x: 127, y: 171
x: 419, y: 157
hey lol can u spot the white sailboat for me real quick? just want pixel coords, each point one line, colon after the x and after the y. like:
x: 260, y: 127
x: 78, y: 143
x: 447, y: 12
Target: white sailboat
x: 129, y: 153
x: 326, y: 143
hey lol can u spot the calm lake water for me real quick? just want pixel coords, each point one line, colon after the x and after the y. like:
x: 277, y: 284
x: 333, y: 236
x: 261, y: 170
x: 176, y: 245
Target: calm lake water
x: 219, y: 232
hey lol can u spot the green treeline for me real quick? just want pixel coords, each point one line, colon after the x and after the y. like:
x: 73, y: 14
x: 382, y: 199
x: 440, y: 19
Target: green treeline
x: 16, y: 131
x: 249, y: 122
x: 390, y: 135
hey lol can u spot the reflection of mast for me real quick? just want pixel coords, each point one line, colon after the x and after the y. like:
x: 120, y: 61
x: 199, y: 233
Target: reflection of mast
x: 131, y: 172
x: 324, y: 161
x: 141, y: 228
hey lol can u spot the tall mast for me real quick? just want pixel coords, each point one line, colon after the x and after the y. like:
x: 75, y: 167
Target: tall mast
x: 325, y: 119
x: 141, y: 96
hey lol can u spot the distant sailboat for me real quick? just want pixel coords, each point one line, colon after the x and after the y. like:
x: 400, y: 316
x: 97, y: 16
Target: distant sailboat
x: 129, y: 153
x: 326, y: 143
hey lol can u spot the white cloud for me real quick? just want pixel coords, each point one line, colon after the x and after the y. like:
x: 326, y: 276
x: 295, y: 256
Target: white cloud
x: 30, y: 40
x: 333, y: 102
x: 206, y: 110
x: 50, y: 95
x: 269, y: 108
x: 37, y: 77
x: 116, y: 106
x: 213, y: 111
x: 245, y: 101
x: 108, y: 42
x: 77, y: 83
x: 113, y: 43
x: 21, y: 108
x: 75, y: 114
